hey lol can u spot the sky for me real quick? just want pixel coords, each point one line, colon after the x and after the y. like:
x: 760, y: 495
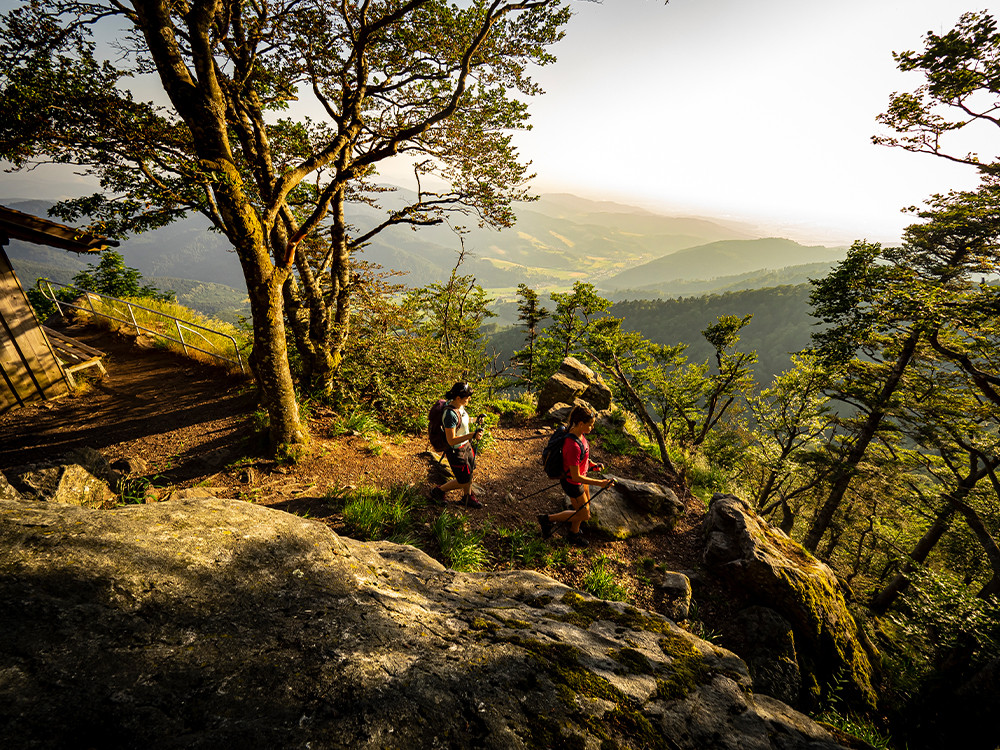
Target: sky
x: 759, y: 112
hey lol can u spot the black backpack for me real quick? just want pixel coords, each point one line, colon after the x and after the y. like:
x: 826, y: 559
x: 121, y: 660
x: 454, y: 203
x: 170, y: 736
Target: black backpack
x: 552, y: 453
x: 435, y: 425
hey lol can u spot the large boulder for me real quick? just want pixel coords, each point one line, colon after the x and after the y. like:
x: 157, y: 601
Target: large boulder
x: 766, y: 642
x: 62, y: 483
x: 770, y: 569
x: 574, y: 383
x: 631, y: 508
x: 7, y: 490
x: 207, y: 623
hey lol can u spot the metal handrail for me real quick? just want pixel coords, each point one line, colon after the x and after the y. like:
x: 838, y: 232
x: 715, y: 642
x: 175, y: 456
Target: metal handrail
x: 180, y: 325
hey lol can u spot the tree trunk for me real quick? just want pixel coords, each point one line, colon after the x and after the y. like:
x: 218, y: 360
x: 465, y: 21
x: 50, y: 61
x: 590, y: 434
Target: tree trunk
x: 643, y: 415
x: 885, y: 598
x: 269, y: 362
x: 340, y: 279
x: 989, y: 544
x: 868, y: 431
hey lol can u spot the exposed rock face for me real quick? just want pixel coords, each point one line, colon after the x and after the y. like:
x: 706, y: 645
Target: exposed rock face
x: 7, y: 491
x: 573, y: 383
x: 63, y: 483
x: 630, y: 508
x: 676, y: 588
x: 772, y: 570
x: 207, y: 623
x: 766, y: 642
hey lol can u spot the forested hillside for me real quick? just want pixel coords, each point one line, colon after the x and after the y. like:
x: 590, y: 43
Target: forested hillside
x: 781, y: 324
x: 758, y: 279
x: 555, y: 241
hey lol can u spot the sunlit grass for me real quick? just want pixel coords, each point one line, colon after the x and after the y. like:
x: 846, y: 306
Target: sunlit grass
x: 601, y: 582
x: 461, y: 548
x: 526, y: 547
x: 212, y: 346
x: 373, y: 513
x: 357, y: 422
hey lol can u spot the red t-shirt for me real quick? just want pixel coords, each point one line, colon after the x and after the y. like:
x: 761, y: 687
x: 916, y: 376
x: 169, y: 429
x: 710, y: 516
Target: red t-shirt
x: 573, y: 455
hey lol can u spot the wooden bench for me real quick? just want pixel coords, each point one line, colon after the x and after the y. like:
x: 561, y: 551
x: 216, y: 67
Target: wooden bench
x: 73, y: 355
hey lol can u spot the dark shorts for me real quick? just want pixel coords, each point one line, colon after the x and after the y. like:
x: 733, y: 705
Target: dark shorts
x: 462, y: 461
x: 572, y: 490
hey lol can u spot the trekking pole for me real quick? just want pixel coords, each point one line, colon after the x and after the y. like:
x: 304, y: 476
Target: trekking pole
x: 513, y: 499
x: 567, y: 521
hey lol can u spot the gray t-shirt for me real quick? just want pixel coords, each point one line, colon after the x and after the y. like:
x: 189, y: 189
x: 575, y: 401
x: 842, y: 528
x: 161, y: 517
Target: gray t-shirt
x: 456, y: 418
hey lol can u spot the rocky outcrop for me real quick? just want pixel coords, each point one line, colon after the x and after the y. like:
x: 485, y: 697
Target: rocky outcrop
x: 81, y: 477
x: 62, y: 483
x: 676, y: 589
x: 573, y: 383
x: 768, y: 568
x: 631, y: 508
x: 207, y: 623
x: 766, y: 642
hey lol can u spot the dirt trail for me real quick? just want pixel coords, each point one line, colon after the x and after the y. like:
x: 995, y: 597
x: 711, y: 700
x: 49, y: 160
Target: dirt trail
x: 192, y: 426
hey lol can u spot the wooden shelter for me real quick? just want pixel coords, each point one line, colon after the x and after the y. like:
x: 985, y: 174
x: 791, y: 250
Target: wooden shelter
x: 29, y: 361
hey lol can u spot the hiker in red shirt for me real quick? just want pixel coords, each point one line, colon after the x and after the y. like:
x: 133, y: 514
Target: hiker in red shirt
x: 574, y: 481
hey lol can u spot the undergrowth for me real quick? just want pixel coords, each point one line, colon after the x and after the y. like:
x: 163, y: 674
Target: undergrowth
x: 601, y: 581
x: 461, y: 548
x: 374, y: 513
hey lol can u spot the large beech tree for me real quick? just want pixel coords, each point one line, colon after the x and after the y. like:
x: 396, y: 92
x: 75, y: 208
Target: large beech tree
x: 444, y: 84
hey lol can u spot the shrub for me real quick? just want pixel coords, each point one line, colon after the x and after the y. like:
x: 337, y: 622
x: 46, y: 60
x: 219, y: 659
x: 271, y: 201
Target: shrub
x: 518, y: 412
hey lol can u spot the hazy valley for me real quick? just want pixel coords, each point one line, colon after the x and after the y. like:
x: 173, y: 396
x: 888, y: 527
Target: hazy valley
x: 689, y: 270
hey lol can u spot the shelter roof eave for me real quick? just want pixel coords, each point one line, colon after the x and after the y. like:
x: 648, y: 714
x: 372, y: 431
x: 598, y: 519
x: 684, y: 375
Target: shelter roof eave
x: 21, y: 226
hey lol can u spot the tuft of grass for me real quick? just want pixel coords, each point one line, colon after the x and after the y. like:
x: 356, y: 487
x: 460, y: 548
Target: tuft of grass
x: 461, y: 548
x: 856, y: 727
x: 600, y: 581
x: 557, y: 557
x: 526, y: 547
x: 357, y: 422
x: 373, y: 513
x: 132, y: 490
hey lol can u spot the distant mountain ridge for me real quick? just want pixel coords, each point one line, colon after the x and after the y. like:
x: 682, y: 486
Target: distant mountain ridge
x: 722, y: 259
x: 558, y: 239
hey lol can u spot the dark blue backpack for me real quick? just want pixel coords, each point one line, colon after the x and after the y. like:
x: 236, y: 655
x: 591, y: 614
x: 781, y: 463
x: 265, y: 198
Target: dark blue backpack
x: 552, y: 453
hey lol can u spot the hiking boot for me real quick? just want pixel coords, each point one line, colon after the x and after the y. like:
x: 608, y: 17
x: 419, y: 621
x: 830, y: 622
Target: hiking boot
x: 471, y: 501
x: 546, y: 524
x: 437, y: 495
x: 577, y: 539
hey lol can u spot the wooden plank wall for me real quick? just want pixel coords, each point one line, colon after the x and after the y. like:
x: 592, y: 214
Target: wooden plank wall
x: 29, y: 367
